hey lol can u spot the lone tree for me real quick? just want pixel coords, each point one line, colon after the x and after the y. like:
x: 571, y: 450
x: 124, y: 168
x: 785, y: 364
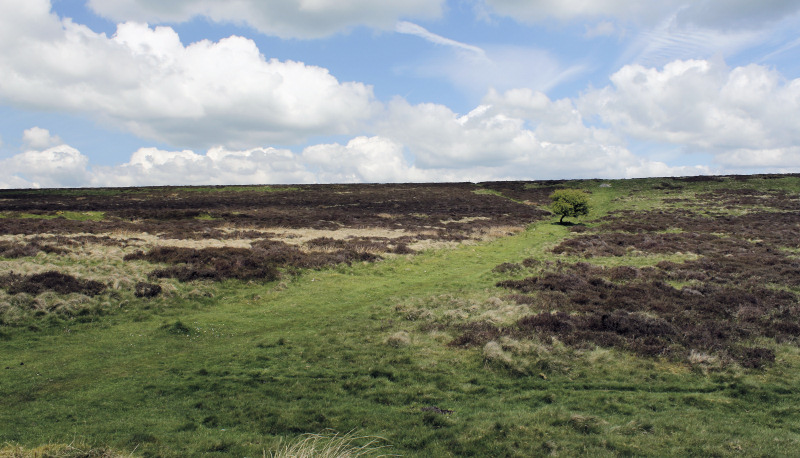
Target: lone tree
x: 569, y: 203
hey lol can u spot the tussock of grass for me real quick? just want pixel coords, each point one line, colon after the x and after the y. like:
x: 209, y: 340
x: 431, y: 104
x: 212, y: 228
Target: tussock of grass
x: 493, y: 354
x: 331, y: 445
x: 399, y: 339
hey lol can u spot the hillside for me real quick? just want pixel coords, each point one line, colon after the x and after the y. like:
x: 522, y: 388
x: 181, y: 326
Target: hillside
x: 446, y: 319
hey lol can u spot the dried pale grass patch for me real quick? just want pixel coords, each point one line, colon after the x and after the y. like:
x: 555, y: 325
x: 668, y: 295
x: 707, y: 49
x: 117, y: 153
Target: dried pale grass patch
x: 439, y: 336
x: 59, y: 451
x: 423, y: 245
x: 478, y: 235
x: 205, y: 243
x: 599, y: 355
x: 467, y: 219
x: 301, y: 236
x: 91, y: 261
x: 454, y: 316
x: 429, y: 241
x: 13, y: 238
x: 519, y: 347
x: 586, y: 424
x: 124, y: 234
x: 698, y: 358
x: 493, y: 353
x: 452, y: 310
x: 330, y: 445
x: 108, y: 271
x: 501, y: 313
x: 146, y: 240
x: 333, y: 249
x: 25, y: 267
x: 495, y: 232
x: 399, y: 339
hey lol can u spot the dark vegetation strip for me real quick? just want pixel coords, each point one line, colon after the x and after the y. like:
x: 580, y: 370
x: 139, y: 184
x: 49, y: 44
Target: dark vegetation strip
x: 174, y: 214
x: 49, y: 281
x: 261, y: 262
x: 12, y: 250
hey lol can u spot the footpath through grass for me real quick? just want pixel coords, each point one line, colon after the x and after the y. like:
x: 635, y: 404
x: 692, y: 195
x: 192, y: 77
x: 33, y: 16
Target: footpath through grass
x: 233, y: 374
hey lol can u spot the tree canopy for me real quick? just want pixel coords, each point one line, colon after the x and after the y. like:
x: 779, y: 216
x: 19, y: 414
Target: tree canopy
x: 569, y: 203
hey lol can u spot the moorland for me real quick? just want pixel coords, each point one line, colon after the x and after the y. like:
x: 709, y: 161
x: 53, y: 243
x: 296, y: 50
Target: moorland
x: 456, y: 319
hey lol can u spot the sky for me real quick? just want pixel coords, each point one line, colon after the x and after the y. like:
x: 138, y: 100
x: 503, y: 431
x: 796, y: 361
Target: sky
x: 97, y: 93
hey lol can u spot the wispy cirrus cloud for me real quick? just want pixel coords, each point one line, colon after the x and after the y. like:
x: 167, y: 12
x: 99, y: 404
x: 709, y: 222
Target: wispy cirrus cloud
x: 419, y: 31
x: 710, y: 14
x: 477, y: 69
x: 655, y: 33
x: 668, y: 41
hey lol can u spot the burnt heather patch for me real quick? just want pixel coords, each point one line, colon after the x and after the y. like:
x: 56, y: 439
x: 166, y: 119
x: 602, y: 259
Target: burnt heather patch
x: 49, y: 281
x: 14, y: 250
x: 261, y: 262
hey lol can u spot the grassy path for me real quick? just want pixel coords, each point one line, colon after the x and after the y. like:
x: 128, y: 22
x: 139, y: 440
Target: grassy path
x: 325, y: 328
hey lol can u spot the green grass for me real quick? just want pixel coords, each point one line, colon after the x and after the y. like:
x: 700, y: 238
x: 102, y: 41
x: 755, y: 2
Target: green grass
x: 71, y: 215
x: 487, y: 192
x: 492, y: 192
x: 256, y: 364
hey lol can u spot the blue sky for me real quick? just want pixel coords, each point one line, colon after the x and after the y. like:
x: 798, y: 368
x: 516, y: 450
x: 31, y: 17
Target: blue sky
x: 143, y: 92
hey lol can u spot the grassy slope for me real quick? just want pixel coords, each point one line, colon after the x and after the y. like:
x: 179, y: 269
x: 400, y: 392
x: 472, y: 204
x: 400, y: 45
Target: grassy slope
x: 258, y: 363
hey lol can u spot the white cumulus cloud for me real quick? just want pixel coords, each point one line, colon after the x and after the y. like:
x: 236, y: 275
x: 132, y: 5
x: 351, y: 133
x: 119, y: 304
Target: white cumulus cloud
x: 38, y: 138
x: 283, y: 18
x: 57, y: 166
x: 744, y: 116
x: 520, y: 134
x: 498, y: 147
x: 152, y: 166
x: 146, y: 80
x: 362, y: 159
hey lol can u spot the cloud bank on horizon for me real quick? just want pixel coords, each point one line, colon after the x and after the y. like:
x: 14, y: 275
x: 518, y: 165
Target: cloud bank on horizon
x: 305, y: 91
